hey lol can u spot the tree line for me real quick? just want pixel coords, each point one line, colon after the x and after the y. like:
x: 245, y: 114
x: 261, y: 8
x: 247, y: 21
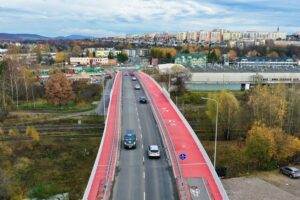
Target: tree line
x: 270, y: 117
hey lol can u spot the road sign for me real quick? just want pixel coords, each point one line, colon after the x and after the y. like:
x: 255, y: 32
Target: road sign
x: 182, y: 156
x: 137, y: 66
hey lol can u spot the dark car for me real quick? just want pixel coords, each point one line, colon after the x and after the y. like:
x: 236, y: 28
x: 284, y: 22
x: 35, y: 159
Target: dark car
x: 292, y: 172
x: 143, y: 100
x: 130, y: 139
x: 108, y: 76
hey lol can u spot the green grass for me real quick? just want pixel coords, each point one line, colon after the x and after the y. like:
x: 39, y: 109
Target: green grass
x: 41, y: 105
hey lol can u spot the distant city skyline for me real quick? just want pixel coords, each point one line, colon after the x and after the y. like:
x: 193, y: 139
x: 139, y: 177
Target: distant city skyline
x: 101, y: 18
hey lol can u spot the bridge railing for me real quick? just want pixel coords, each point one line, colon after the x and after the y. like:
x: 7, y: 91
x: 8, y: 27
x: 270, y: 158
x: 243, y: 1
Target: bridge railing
x: 114, y: 151
x: 171, y: 153
x: 99, y: 185
x: 201, y: 148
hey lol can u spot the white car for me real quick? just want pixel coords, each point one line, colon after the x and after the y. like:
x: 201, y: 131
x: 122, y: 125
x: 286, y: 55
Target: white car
x: 133, y: 78
x: 153, y: 151
x: 137, y: 87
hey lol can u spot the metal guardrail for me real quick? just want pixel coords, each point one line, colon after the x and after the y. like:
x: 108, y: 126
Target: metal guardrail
x: 182, y: 186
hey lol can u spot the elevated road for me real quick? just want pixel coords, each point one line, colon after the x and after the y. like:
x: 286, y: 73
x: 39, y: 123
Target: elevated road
x: 196, y: 176
x: 137, y: 176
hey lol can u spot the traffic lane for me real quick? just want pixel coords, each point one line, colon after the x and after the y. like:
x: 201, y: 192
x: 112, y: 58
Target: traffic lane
x: 129, y: 180
x: 159, y: 184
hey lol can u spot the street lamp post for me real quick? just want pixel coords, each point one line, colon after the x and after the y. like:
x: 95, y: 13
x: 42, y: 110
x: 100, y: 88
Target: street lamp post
x: 216, y: 129
x: 104, y: 98
x: 169, y: 83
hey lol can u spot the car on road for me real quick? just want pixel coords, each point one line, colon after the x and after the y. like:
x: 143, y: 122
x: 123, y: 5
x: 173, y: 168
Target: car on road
x: 126, y: 74
x: 133, y: 78
x: 143, y: 99
x: 130, y: 139
x: 137, y: 87
x: 292, y: 172
x: 107, y: 76
x: 153, y: 151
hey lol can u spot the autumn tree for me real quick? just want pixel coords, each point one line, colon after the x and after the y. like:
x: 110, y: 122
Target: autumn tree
x: 273, y: 54
x: 163, y: 54
x: 13, y: 132
x: 228, y: 111
x: 253, y: 53
x: 32, y: 133
x: 1, y: 132
x: 267, y: 146
x: 269, y: 105
x: 60, y: 57
x: 59, y: 90
x: 76, y: 51
x: 38, y: 52
x: 260, y: 145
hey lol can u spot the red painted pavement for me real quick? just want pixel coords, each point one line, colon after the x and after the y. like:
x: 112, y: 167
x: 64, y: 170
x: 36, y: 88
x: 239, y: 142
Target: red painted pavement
x: 112, y: 125
x: 194, y: 165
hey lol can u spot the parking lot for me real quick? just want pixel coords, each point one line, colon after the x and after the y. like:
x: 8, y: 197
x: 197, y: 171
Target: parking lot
x: 263, y: 185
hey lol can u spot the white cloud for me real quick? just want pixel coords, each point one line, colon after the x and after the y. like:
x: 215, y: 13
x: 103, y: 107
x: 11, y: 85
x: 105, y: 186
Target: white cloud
x: 120, y: 16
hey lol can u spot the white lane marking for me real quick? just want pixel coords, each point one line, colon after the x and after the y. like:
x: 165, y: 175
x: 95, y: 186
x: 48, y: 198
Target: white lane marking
x: 144, y: 175
x: 142, y: 146
x: 143, y: 159
x: 141, y: 136
x: 144, y: 195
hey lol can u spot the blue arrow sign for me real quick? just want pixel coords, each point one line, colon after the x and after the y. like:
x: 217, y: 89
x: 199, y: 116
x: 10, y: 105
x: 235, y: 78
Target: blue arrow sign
x: 182, y: 156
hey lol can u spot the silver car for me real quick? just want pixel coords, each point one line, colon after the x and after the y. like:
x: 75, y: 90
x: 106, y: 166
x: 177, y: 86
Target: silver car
x: 153, y: 151
x: 137, y: 87
x: 292, y: 172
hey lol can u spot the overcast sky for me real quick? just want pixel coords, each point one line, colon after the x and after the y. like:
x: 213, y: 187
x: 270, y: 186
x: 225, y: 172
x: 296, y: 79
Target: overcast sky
x: 117, y: 17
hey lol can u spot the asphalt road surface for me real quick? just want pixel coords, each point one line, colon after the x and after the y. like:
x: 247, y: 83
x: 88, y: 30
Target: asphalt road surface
x: 137, y: 176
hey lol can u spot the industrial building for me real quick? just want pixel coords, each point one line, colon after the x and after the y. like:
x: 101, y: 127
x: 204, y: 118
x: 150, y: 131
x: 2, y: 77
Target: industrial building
x: 238, y: 80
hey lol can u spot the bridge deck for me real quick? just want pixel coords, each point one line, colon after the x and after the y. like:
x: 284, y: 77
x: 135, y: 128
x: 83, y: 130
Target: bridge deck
x: 196, y: 164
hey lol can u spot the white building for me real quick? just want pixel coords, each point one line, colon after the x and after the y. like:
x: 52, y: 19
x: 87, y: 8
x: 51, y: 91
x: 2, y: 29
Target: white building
x: 204, y: 36
x: 100, y: 61
x: 227, y: 36
x: 245, y: 78
x: 80, y: 60
x: 87, y: 61
x: 215, y: 37
x: 181, y: 36
x: 130, y: 52
x: 193, y: 36
x: 167, y: 68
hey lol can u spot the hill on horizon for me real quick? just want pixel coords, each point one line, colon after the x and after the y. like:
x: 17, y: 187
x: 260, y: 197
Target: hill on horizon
x: 25, y: 36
